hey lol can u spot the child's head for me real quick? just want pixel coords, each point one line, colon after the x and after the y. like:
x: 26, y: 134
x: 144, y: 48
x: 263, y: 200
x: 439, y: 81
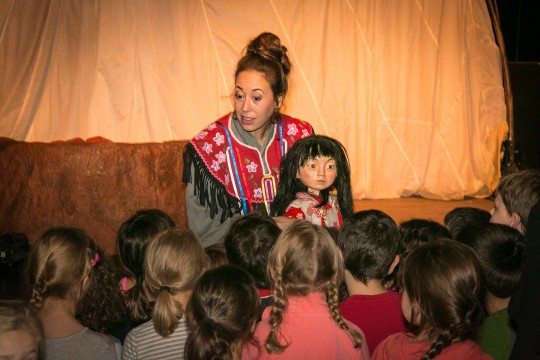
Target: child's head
x: 216, y: 255
x: 132, y: 240
x: 369, y: 242
x: 222, y: 311
x: 59, y: 265
x: 461, y: 217
x: 248, y: 244
x: 443, y: 293
x: 303, y: 166
x: 516, y: 194
x: 501, y: 252
x: 21, y: 332
x: 416, y: 232
x: 174, y: 261
x: 305, y: 259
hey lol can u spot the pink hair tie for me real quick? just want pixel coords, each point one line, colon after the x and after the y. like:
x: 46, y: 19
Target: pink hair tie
x: 95, y: 260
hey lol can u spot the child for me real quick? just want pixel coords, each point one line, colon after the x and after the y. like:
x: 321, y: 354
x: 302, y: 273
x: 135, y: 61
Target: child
x: 304, y: 322
x: 516, y: 194
x: 222, y: 311
x: 414, y: 232
x: 216, y: 255
x: 21, y: 332
x: 311, y: 171
x: 173, y: 263
x: 461, y: 217
x: 248, y: 244
x: 442, y: 300
x: 501, y: 252
x: 60, y: 270
x: 132, y: 239
x: 369, y: 243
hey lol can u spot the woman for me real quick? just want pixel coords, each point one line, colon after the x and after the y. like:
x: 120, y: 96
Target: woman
x: 231, y: 167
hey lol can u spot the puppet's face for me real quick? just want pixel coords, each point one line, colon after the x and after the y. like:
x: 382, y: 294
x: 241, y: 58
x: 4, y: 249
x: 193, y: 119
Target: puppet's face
x: 254, y: 102
x: 318, y: 173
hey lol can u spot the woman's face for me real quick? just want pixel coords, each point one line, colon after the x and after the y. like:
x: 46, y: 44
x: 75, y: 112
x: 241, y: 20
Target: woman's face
x: 254, y: 102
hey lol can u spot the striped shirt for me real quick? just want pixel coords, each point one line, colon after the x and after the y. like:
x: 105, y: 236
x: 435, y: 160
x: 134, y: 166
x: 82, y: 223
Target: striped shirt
x: 144, y: 343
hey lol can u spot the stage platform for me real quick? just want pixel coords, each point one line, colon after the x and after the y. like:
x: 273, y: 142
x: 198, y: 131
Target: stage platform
x: 403, y: 209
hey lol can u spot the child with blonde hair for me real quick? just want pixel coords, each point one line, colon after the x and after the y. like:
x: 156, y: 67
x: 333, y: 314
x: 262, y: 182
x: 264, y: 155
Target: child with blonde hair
x: 306, y: 268
x: 60, y: 271
x: 21, y: 332
x: 174, y: 261
x: 442, y: 299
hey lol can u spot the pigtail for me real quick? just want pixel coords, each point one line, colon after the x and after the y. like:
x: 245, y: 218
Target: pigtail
x: 332, y: 299
x: 38, y: 291
x: 205, y: 343
x: 166, y: 313
x: 272, y: 343
x: 444, y: 339
x: 137, y: 302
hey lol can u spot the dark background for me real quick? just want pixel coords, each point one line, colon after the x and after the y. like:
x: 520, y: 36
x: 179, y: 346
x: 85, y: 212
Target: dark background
x: 520, y: 25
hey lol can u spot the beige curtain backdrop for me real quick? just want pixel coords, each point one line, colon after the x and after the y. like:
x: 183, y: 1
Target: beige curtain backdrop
x: 413, y: 89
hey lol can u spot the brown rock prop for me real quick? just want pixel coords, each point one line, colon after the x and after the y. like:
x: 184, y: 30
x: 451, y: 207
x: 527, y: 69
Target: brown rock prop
x: 91, y: 185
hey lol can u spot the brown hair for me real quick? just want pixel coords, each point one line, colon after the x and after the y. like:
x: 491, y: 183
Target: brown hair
x: 58, y: 263
x: 266, y: 55
x: 173, y: 262
x: 222, y: 311
x: 304, y: 259
x: 444, y: 282
x: 520, y: 192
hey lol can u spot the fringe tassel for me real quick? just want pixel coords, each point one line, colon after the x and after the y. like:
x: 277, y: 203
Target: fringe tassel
x: 208, y: 190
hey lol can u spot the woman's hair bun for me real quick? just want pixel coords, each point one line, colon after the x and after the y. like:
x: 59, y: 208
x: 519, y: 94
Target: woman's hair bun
x: 269, y: 47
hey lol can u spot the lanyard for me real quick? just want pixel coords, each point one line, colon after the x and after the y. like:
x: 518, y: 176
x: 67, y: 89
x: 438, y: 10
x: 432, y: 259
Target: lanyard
x: 237, y: 175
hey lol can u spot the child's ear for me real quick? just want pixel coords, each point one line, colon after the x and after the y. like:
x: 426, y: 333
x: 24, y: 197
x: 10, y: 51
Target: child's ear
x: 515, y: 222
x: 395, y: 262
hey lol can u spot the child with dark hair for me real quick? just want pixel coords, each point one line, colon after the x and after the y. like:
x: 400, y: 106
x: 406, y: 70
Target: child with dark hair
x: 461, y: 217
x: 312, y: 171
x: 304, y: 322
x: 248, y: 244
x: 222, y: 313
x: 415, y: 232
x: 501, y: 252
x: 132, y: 239
x: 21, y: 332
x: 442, y: 300
x: 516, y: 194
x: 369, y: 243
x: 60, y: 268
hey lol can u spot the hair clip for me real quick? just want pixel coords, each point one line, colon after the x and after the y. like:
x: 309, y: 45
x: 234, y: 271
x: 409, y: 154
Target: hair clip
x: 166, y: 288
x: 94, y: 255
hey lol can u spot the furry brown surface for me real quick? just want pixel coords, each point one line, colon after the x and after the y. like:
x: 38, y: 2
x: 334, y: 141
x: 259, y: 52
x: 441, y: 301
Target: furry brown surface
x: 91, y: 185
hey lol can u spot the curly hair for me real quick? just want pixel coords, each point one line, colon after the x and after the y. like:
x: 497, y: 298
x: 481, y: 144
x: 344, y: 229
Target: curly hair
x: 444, y: 282
x: 297, y: 156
